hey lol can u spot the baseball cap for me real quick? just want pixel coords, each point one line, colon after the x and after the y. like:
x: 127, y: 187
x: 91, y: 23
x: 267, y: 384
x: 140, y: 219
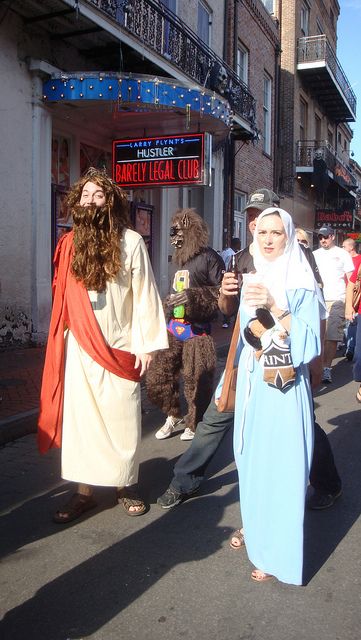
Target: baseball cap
x: 325, y: 231
x: 262, y: 199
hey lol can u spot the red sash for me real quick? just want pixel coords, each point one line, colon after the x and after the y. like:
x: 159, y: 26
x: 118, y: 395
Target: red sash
x: 72, y: 308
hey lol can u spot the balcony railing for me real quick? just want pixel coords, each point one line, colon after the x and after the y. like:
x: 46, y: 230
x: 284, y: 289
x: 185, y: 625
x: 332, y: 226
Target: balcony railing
x: 308, y: 150
x: 318, y: 49
x: 158, y: 28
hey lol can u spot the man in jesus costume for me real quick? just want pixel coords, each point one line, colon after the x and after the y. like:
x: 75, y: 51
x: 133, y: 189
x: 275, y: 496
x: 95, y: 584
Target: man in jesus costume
x: 106, y: 321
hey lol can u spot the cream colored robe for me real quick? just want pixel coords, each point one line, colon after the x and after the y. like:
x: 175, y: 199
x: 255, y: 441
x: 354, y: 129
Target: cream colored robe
x: 102, y: 413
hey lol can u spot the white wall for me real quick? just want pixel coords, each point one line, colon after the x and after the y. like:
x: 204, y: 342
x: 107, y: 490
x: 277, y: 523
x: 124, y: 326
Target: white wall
x: 16, y: 187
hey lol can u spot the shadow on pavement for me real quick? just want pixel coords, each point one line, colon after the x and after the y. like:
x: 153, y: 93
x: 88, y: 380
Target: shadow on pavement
x: 85, y: 598
x: 32, y: 519
x: 324, y: 530
x: 341, y: 375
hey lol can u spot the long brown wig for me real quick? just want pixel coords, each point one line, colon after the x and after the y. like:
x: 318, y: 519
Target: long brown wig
x: 97, y: 231
x: 195, y: 232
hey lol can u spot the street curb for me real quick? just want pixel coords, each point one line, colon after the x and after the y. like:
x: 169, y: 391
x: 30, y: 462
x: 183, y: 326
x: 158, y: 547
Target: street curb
x: 18, y: 426
x: 22, y: 424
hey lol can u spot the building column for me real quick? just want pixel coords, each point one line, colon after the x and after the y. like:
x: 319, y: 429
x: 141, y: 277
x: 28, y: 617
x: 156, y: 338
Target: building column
x: 41, y: 214
x: 168, y: 205
x: 213, y: 202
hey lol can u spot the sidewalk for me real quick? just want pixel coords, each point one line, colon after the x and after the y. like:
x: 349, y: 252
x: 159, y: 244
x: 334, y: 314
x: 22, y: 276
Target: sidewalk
x: 20, y: 379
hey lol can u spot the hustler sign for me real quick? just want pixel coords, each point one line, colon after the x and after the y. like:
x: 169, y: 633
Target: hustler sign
x: 164, y: 160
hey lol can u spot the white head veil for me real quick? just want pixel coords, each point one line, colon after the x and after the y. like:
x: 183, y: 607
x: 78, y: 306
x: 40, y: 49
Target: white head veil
x: 291, y: 270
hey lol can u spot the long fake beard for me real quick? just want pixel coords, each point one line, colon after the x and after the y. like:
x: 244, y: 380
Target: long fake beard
x: 96, y: 257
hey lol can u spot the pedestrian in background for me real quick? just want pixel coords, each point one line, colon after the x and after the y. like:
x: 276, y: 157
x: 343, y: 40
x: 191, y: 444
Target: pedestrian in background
x: 335, y: 266
x: 107, y: 319
x: 351, y: 314
x: 351, y: 325
x: 302, y: 237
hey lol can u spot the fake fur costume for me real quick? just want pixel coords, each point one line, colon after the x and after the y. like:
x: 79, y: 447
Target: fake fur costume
x: 197, y: 272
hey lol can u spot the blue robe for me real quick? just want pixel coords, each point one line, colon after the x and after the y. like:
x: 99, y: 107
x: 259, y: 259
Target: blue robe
x: 273, y: 442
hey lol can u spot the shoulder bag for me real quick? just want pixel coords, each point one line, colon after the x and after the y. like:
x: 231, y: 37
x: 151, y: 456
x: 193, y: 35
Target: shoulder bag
x: 227, y: 399
x: 356, y: 296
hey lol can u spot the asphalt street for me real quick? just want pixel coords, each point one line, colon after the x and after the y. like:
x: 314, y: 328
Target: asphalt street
x: 170, y: 575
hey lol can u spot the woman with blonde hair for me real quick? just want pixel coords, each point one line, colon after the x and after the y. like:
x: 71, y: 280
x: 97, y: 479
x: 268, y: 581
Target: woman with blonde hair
x: 302, y: 237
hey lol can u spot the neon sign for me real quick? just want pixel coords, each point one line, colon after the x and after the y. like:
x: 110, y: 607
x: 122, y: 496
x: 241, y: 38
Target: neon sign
x: 338, y: 219
x: 163, y: 160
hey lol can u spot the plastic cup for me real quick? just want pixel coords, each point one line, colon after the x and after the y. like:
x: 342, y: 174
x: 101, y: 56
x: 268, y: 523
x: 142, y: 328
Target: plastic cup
x: 250, y: 278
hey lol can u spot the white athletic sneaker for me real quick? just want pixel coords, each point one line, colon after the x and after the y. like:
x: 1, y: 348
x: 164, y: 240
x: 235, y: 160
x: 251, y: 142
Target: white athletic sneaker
x: 167, y: 429
x: 187, y: 434
x: 326, y: 376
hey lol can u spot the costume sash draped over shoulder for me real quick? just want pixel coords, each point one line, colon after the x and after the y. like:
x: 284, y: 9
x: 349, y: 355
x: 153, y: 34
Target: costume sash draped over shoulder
x: 72, y: 309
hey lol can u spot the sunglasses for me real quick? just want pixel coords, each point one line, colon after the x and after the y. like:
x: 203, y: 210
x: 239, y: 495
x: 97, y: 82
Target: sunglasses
x: 321, y: 237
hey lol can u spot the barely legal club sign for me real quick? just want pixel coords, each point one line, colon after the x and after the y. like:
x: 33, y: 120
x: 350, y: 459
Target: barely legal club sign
x: 162, y: 160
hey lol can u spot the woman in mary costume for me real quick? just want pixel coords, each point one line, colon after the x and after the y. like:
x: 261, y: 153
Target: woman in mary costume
x: 280, y: 316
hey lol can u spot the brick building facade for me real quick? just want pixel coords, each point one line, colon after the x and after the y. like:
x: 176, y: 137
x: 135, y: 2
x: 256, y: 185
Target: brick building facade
x: 313, y: 172
x: 252, y: 48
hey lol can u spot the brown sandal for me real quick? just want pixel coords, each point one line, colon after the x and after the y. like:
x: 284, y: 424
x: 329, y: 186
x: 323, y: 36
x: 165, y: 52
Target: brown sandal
x: 238, y: 534
x: 74, y: 508
x: 127, y: 500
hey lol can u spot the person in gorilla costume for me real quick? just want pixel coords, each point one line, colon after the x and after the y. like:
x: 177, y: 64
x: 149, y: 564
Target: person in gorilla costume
x: 196, y: 276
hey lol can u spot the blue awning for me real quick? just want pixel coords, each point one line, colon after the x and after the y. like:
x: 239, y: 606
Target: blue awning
x: 142, y: 94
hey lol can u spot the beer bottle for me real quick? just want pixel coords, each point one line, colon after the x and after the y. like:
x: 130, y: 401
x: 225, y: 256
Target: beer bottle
x: 233, y: 268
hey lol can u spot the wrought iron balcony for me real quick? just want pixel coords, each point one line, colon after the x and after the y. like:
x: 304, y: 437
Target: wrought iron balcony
x: 321, y: 70
x: 309, y: 150
x: 153, y: 25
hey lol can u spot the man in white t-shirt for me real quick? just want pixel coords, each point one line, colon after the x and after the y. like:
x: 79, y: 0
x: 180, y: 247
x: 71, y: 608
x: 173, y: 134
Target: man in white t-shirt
x: 333, y: 264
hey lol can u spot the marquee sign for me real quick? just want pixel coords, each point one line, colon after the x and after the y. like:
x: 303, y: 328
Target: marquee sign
x: 162, y: 161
